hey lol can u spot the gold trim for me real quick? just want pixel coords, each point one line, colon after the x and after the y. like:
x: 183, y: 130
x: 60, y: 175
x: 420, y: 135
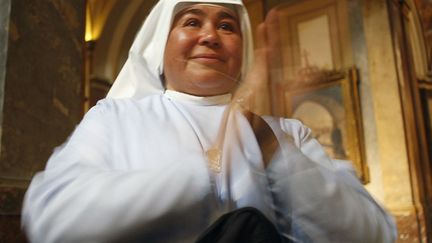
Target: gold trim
x: 214, y: 157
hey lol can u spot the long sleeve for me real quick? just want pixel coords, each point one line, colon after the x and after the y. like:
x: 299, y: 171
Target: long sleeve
x: 82, y: 197
x: 319, y: 200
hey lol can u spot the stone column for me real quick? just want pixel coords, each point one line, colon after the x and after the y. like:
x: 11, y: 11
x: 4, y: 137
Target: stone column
x: 42, y: 94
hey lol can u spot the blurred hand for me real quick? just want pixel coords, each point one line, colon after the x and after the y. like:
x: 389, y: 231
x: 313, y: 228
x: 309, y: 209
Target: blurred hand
x: 253, y: 92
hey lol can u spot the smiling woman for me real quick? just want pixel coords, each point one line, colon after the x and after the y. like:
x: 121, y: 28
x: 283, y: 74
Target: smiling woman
x: 203, y: 54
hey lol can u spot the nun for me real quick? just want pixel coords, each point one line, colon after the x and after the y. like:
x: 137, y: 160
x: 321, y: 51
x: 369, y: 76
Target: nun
x: 171, y: 150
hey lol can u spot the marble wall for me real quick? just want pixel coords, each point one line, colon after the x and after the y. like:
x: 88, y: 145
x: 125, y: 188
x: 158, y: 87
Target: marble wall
x: 42, y: 95
x: 391, y: 180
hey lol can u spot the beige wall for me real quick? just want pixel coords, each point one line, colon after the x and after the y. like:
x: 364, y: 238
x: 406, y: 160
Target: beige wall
x: 388, y: 155
x: 389, y: 168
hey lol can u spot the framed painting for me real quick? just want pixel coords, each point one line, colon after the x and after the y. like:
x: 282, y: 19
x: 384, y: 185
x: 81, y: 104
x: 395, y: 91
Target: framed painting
x: 330, y: 106
x: 313, y: 36
x: 314, y: 33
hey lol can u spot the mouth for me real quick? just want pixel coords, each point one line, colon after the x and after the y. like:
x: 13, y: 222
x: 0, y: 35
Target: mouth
x: 208, y: 58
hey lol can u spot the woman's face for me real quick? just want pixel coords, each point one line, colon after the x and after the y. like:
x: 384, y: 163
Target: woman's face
x: 203, y: 54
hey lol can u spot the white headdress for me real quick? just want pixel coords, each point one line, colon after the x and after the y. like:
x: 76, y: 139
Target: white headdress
x: 140, y: 75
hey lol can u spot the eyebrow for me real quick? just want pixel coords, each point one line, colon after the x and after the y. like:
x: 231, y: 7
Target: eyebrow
x: 226, y: 15
x: 221, y: 14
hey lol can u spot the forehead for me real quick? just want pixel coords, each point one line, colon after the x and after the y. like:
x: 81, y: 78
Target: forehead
x: 205, y: 9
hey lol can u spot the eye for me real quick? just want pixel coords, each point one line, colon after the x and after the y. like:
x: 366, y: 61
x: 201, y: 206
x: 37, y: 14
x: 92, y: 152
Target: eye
x: 192, y: 23
x: 227, y: 27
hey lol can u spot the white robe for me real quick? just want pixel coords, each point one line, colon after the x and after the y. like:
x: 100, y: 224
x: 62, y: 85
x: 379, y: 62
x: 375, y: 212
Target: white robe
x: 135, y: 170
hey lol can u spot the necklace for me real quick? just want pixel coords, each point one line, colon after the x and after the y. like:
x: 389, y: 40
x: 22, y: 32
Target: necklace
x: 214, y: 154
x: 214, y: 159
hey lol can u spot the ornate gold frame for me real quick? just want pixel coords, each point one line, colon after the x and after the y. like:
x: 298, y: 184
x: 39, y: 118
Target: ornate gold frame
x: 347, y: 81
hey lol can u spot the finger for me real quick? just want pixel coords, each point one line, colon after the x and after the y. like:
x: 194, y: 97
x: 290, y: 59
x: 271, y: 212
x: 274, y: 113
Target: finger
x: 272, y: 27
x: 261, y: 36
x: 274, y: 51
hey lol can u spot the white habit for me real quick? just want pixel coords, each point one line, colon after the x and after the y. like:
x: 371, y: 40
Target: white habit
x: 137, y: 168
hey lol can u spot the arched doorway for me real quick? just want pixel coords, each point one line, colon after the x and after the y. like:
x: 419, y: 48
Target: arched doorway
x: 112, y: 26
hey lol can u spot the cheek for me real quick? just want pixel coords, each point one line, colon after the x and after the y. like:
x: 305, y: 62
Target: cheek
x: 179, y: 45
x: 235, y: 49
x: 177, y: 49
x: 235, y: 45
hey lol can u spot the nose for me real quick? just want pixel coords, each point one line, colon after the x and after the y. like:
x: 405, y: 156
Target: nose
x: 210, y: 37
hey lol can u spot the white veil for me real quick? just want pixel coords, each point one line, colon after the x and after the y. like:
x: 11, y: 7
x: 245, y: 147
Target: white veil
x: 140, y: 75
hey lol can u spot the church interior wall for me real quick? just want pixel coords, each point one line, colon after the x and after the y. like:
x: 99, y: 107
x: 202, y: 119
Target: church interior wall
x: 42, y: 95
x: 390, y: 152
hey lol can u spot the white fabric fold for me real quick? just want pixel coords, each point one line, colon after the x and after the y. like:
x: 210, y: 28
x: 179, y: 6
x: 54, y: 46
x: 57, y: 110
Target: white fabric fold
x: 198, y: 100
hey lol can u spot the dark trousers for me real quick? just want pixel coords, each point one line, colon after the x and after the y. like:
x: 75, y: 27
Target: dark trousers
x: 241, y: 225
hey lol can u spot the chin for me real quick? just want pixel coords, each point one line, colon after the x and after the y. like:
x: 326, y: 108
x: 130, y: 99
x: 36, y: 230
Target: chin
x: 214, y: 86
x: 213, y: 78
